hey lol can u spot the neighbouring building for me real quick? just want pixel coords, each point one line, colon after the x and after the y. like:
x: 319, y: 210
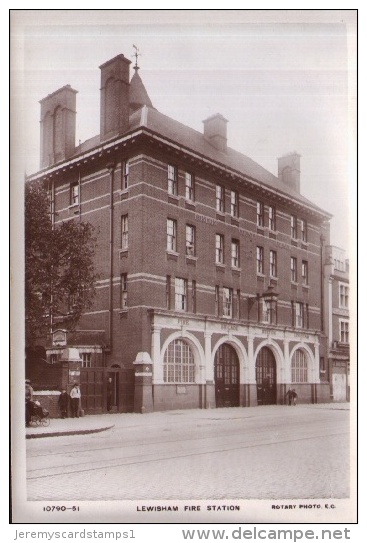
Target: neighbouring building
x: 337, y: 302
x: 211, y: 267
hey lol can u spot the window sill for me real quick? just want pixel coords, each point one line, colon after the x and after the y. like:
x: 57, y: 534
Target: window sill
x: 123, y: 252
x: 124, y: 193
x: 221, y: 216
x: 74, y: 208
x: 192, y: 259
x: 274, y: 278
x: 304, y: 244
x: 294, y: 284
x: 235, y: 220
x: 236, y: 270
x: 173, y: 198
x: 305, y: 286
x: 260, y: 275
x: 123, y: 313
x: 172, y: 255
x: 220, y: 266
x: 190, y: 204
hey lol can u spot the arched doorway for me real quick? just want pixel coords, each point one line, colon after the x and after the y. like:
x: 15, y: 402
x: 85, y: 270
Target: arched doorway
x: 226, y: 373
x: 266, y: 377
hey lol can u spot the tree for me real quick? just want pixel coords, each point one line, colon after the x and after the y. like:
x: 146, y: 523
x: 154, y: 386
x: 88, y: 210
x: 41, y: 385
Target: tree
x: 59, y: 267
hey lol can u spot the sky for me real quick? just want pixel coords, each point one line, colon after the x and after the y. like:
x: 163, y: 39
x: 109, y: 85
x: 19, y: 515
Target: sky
x: 284, y: 80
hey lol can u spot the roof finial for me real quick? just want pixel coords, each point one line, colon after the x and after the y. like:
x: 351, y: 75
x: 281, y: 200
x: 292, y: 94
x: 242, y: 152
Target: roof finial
x: 136, y: 55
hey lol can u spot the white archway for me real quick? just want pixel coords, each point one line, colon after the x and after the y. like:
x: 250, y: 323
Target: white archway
x: 240, y: 351
x: 197, y: 351
x: 278, y: 354
x: 310, y: 358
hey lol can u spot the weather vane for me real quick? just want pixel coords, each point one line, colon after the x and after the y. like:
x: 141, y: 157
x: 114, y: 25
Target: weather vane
x: 136, y: 55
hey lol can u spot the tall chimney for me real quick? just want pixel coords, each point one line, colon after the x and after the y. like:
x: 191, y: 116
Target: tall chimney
x: 289, y: 170
x: 114, y: 97
x: 58, y: 118
x: 215, y: 131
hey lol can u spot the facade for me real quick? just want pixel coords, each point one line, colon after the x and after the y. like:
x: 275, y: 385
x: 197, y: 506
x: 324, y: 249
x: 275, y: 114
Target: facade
x: 211, y: 268
x: 337, y: 297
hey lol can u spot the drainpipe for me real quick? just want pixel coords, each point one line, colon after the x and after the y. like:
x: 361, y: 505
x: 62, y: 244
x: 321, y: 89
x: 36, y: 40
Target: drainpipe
x: 322, y: 276
x: 111, y: 169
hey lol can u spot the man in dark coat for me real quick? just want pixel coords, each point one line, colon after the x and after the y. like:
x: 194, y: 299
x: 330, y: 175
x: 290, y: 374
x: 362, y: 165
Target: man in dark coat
x: 64, y: 404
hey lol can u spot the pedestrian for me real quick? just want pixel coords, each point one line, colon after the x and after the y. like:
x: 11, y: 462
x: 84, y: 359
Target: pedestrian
x: 109, y: 394
x: 28, y: 402
x: 75, y: 397
x: 294, y: 397
x: 64, y: 404
x: 289, y: 396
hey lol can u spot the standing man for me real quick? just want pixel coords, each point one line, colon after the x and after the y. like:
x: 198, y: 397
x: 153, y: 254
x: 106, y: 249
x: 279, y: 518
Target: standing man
x: 28, y: 402
x: 64, y: 404
x: 75, y: 397
x: 109, y: 393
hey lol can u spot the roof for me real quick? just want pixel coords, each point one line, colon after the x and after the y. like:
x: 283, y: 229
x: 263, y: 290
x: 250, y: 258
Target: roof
x: 144, y: 115
x: 138, y: 94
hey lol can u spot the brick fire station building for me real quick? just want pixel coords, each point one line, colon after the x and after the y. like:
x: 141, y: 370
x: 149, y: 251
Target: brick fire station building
x: 211, y: 268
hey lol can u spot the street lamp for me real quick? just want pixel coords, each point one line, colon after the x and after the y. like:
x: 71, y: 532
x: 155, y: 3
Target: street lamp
x: 270, y: 298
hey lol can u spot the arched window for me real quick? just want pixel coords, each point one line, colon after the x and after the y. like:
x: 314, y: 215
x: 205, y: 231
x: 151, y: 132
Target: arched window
x: 178, y: 364
x: 299, y: 367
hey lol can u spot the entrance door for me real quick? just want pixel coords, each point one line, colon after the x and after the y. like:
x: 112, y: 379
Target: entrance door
x: 226, y: 370
x: 266, y: 373
x: 339, y: 387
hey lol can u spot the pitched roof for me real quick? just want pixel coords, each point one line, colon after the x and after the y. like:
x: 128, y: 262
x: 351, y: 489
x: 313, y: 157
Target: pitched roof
x: 195, y: 141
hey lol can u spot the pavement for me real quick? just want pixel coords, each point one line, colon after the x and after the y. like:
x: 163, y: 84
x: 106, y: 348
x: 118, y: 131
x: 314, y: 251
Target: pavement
x: 90, y: 424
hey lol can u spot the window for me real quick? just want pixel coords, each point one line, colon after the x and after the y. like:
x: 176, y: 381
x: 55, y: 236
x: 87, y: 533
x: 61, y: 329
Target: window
x: 304, y: 272
x: 219, y: 195
x: 238, y: 304
x: 300, y: 315
x: 189, y: 186
x: 190, y: 240
x: 180, y: 294
x: 235, y: 253
x: 273, y: 264
x: 344, y: 331
x: 123, y: 291
x: 172, y: 179
x: 217, y: 300
x: 124, y: 232
x: 260, y: 214
x: 268, y: 312
x: 171, y: 235
x: 260, y: 260
x: 293, y: 227
x: 234, y: 203
x: 227, y: 302
x: 193, y: 296
x: 265, y: 314
x: 53, y: 358
x: 293, y: 269
x: 272, y: 222
x: 125, y: 175
x: 74, y: 194
x: 343, y: 296
x: 168, y: 292
x: 86, y: 360
x: 178, y: 363
x: 299, y: 367
x: 219, y: 248
x: 303, y: 225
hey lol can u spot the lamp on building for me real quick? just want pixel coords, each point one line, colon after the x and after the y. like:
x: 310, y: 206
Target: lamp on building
x: 270, y: 298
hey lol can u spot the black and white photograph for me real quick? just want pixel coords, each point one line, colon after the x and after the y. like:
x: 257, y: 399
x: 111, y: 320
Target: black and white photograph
x: 183, y: 205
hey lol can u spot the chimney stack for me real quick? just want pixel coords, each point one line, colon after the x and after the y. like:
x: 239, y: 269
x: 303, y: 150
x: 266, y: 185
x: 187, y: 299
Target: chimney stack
x: 215, y: 131
x: 289, y: 170
x: 115, y: 84
x: 58, y: 117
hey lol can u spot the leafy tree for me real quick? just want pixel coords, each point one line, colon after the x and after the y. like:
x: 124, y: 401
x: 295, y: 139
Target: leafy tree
x: 59, y: 267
